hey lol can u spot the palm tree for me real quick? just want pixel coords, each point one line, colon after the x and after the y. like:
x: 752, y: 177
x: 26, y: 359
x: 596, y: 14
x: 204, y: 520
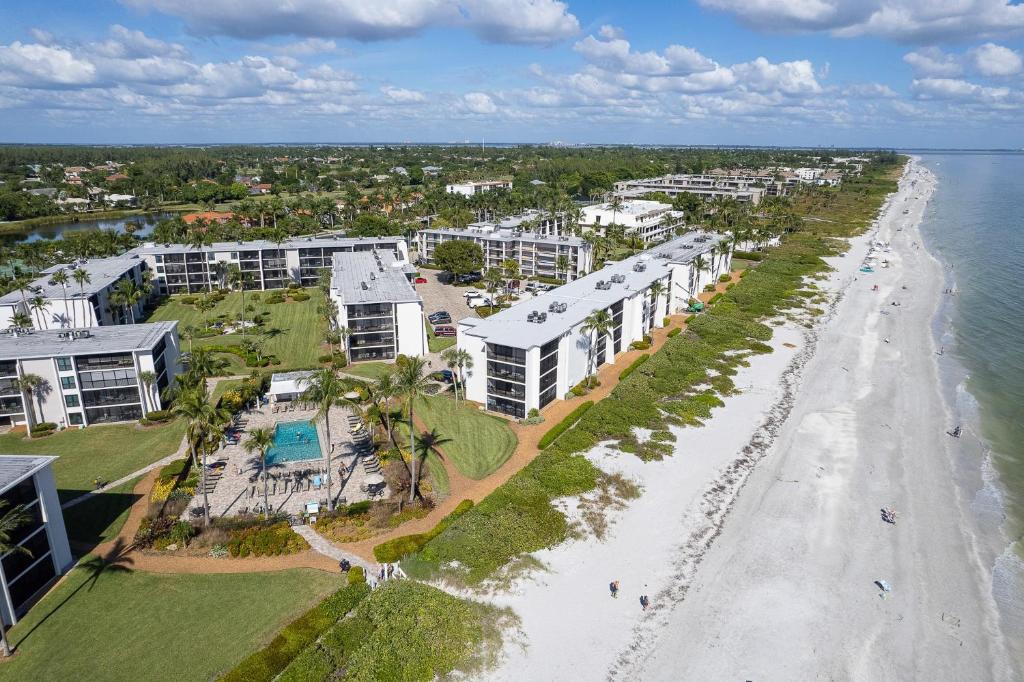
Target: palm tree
x: 203, y: 419
x: 21, y: 319
x: 197, y: 238
x: 449, y: 355
x: 23, y: 289
x: 238, y: 278
x: 343, y: 335
x: 126, y: 294
x: 147, y: 378
x: 615, y: 204
x: 38, y: 306
x: 698, y: 267
x: 657, y: 289
x: 562, y: 265
x: 412, y: 382
x: 35, y: 386
x: 324, y: 389
x: 384, y: 390
x: 81, y: 277
x: 11, y: 521
x: 188, y: 332
x: 260, y: 441
x: 61, y: 277
x: 599, y: 323
x: 458, y: 359
x: 428, y: 442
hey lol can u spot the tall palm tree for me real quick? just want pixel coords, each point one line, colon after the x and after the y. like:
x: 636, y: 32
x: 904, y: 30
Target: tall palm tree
x: 260, y: 441
x: 38, y: 306
x: 24, y: 289
x: 616, y: 205
x: 237, y: 278
x: 562, y: 265
x: 35, y: 386
x: 657, y: 290
x: 21, y: 319
x: 61, y: 278
x: 81, y: 277
x: 428, y: 442
x: 699, y: 266
x: 412, y: 382
x: 147, y: 378
x: 343, y: 335
x: 197, y: 238
x: 324, y: 389
x: 458, y: 359
x: 203, y: 419
x: 386, y: 389
x: 127, y: 294
x: 598, y: 323
x: 11, y: 521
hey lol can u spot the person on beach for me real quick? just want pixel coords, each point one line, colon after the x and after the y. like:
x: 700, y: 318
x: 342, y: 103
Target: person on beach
x: 613, y: 587
x: 644, y: 602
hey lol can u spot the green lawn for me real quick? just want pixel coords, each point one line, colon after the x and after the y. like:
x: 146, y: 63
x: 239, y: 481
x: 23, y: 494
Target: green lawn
x: 369, y: 370
x: 436, y: 344
x: 479, y: 443
x: 101, y: 451
x: 293, y: 331
x: 148, y: 626
x: 101, y: 517
x: 433, y: 464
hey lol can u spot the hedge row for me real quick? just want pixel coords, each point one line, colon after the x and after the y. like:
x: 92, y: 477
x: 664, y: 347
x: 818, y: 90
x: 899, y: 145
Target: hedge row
x: 561, y: 427
x: 267, y: 663
x: 633, y: 365
x: 395, y: 549
x: 749, y: 255
x: 675, y: 332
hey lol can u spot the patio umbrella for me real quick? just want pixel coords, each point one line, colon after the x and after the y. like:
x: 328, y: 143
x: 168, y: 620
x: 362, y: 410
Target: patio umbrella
x: 352, y: 395
x: 375, y: 479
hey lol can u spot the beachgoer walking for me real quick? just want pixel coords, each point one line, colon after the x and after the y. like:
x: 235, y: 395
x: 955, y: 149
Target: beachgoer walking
x: 613, y: 587
x: 644, y: 602
x: 382, y: 573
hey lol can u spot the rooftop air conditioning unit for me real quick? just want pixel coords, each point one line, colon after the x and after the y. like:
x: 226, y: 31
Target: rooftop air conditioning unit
x: 543, y: 317
x: 64, y: 335
x: 364, y: 287
x: 639, y: 267
x: 618, y: 279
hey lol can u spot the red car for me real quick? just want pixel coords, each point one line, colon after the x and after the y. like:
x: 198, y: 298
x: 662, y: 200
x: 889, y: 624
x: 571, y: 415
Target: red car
x: 421, y: 280
x: 444, y: 331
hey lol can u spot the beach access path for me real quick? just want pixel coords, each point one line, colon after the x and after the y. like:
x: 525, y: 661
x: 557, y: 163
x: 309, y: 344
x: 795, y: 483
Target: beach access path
x: 759, y: 540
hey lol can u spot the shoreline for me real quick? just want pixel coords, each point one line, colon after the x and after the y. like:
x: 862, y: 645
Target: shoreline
x: 722, y: 535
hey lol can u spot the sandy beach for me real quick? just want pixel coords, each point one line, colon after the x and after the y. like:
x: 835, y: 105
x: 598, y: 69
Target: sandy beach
x: 760, y: 540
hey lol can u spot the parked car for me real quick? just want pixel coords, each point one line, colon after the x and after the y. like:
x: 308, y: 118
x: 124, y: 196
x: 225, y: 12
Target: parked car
x: 421, y: 280
x: 444, y: 375
x: 468, y: 279
x: 439, y: 313
x: 477, y: 301
x: 444, y: 331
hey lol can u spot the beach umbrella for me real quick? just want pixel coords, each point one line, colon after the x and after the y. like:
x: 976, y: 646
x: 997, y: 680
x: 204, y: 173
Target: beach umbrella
x: 352, y: 395
x: 375, y: 479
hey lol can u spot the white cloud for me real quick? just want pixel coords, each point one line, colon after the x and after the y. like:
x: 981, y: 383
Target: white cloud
x: 614, y: 53
x: 35, y: 65
x: 926, y: 21
x: 502, y: 21
x: 995, y: 60
x: 933, y: 62
x: 954, y: 88
x: 306, y: 47
x: 42, y: 37
x: 870, y: 91
x: 789, y: 78
x: 479, y: 103
x: 610, y: 32
x: 403, y: 95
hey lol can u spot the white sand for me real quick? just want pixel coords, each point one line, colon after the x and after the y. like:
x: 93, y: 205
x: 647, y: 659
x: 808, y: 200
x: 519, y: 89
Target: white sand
x: 759, y: 540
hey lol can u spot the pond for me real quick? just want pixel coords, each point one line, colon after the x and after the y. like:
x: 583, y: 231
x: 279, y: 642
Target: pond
x: 143, y: 225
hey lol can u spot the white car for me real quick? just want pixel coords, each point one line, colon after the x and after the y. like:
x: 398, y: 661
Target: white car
x: 477, y: 301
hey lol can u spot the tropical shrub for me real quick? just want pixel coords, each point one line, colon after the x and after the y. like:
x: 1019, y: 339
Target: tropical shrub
x: 748, y: 255
x: 666, y: 321
x: 162, y: 489
x: 393, y: 550
x: 43, y: 429
x: 640, y: 345
x: 633, y: 365
x: 356, y: 575
x: 299, y: 296
x: 272, y: 540
x: 559, y: 428
x: 675, y: 332
x: 724, y: 277
x: 159, y: 415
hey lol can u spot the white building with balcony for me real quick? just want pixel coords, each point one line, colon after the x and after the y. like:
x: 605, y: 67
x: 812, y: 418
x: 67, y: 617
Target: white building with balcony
x: 533, y: 353
x: 652, y: 221
x: 468, y: 189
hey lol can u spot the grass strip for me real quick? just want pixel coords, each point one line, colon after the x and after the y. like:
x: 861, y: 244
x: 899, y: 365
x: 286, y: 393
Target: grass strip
x: 561, y: 427
x: 395, y: 549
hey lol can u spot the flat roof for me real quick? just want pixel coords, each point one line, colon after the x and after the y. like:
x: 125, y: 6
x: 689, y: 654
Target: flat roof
x: 16, y: 468
x: 295, y: 243
x: 507, y: 234
x: 103, y: 272
x: 631, y: 207
x: 582, y: 297
x: 121, y: 338
x: 372, y: 277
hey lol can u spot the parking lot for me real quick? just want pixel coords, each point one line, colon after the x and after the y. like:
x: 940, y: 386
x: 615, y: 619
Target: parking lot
x: 438, y: 296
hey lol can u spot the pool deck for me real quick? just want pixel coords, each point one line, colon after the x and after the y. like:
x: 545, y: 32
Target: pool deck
x: 240, y: 489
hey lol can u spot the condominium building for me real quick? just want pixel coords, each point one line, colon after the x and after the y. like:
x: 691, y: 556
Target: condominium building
x: 87, y: 376
x: 652, y: 221
x: 538, y: 255
x: 534, y: 352
x: 39, y: 551
x: 378, y: 305
x: 748, y: 187
x: 72, y: 304
x: 180, y: 269
x: 468, y: 189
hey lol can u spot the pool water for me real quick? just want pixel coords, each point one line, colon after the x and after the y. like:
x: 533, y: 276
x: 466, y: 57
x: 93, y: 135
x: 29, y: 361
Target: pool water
x: 294, y: 442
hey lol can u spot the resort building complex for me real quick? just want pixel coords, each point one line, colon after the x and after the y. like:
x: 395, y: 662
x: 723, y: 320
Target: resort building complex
x: 528, y: 355
x: 39, y: 551
x: 378, y: 305
x: 180, y: 269
x: 82, y: 300
x: 538, y: 254
x: 744, y: 188
x: 86, y: 376
x: 468, y: 189
x: 652, y: 221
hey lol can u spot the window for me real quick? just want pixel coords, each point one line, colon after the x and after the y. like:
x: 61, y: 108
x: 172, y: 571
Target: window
x: 91, y: 362
x: 159, y: 258
x: 67, y: 382
x: 111, y: 396
x: 71, y: 400
x: 109, y: 378
x: 64, y: 364
x: 124, y: 413
x: 75, y: 419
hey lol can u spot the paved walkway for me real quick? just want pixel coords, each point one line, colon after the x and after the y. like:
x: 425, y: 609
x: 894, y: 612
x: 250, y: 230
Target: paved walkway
x: 324, y: 546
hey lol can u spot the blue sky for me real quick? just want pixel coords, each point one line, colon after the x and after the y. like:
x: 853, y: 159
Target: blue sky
x: 800, y: 72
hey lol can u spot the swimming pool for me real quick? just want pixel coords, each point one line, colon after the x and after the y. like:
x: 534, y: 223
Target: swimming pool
x: 294, y: 442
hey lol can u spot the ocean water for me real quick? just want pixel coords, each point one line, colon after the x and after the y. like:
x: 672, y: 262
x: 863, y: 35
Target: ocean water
x: 974, y: 225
